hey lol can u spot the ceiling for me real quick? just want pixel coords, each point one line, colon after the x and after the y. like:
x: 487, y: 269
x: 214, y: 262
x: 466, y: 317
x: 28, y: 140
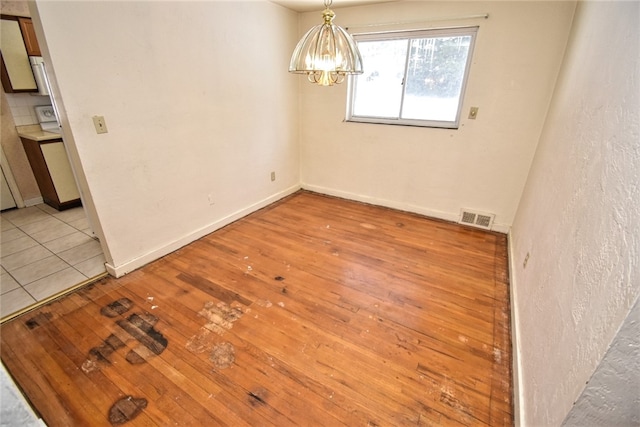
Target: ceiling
x: 318, y: 5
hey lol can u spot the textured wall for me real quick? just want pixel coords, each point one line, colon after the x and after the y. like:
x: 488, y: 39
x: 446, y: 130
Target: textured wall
x: 612, y: 396
x: 579, y: 219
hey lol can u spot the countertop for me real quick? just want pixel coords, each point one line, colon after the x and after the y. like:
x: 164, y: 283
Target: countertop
x: 35, y: 133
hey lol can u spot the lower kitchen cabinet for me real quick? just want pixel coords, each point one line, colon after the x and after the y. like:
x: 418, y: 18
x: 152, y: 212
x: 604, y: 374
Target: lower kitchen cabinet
x: 50, y: 165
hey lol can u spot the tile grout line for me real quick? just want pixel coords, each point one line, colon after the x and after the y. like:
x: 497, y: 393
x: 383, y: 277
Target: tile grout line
x: 22, y: 286
x: 60, y: 294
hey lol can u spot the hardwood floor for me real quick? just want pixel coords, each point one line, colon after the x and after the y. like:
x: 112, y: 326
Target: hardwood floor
x: 314, y: 311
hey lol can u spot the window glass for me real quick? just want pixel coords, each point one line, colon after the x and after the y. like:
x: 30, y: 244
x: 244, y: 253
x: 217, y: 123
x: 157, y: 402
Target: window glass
x: 377, y: 93
x: 413, y: 78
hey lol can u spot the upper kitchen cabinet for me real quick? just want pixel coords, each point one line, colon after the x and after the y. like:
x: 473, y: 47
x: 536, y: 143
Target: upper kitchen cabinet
x: 15, y: 72
x: 29, y: 36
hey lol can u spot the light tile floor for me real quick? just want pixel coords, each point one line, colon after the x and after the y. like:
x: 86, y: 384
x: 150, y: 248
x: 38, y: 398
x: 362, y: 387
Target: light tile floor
x: 44, y: 252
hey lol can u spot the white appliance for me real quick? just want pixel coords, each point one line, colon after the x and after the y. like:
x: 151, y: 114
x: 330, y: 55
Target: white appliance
x: 40, y: 74
x: 44, y: 88
x: 47, y: 118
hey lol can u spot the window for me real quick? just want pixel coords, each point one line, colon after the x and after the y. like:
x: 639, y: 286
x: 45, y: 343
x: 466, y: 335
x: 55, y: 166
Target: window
x: 412, y: 78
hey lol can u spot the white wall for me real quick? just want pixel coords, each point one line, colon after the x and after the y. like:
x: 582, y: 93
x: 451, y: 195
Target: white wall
x: 579, y: 218
x: 199, y: 107
x: 197, y: 104
x: 484, y: 164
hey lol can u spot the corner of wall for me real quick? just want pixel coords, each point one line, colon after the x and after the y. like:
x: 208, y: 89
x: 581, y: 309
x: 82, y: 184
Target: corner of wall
x: 518, y: 415
x: 131, y: 265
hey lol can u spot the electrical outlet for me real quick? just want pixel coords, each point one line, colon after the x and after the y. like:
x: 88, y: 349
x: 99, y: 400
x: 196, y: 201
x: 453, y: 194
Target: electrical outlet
x: 100, y: 124
x: 473, y: 113
x: 526, y: 260
x: 273, y: 176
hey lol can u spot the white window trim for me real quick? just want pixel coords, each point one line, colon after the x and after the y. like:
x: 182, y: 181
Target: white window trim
x: 411, y: 34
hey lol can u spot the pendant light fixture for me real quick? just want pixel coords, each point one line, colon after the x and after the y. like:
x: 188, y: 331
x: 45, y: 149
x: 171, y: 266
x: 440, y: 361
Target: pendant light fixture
x: 327, y: 53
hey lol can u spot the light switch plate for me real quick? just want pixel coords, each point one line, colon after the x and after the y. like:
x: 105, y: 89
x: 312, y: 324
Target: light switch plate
x: 473, y: 113
x: 100, y: 124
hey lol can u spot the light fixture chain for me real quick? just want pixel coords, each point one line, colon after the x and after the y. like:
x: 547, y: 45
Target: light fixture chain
x: 327, y: 3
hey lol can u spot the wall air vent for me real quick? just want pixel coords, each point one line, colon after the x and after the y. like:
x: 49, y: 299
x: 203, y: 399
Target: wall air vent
x: 476, y: 219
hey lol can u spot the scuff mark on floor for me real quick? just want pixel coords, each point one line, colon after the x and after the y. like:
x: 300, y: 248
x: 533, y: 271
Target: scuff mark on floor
x: 38, y: 320
x: 258, y: 396
x: 89, y: 365
x: 200, y: 342
x: 223, y: 355
x: 264, y: 303
x: 126, y: 409
x: 138, y: 326
x: 116, y: 308
x: 497, y: 355
x: 220, y: 318
x: 448, y: 397
x: 150, y: 301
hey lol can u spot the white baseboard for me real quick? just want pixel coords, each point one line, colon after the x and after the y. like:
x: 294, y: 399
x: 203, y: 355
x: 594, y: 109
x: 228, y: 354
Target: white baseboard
x: 447, y: 216
x: 518, y: 414
x: 136, y: 263
x: 500, y: 228
x: 33, y: 202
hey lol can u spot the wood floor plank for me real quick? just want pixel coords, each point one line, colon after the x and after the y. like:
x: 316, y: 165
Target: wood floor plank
x: 312, y: 311
x: 186, y: 374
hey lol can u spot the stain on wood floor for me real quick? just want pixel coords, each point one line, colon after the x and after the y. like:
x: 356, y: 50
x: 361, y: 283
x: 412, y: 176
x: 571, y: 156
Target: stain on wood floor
x: 314, y: 311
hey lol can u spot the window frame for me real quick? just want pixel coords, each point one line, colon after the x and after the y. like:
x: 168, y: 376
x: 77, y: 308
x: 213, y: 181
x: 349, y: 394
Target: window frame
x: 409, y: 35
